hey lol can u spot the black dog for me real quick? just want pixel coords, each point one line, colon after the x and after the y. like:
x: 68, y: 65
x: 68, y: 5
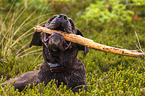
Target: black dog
x: 60, y: 57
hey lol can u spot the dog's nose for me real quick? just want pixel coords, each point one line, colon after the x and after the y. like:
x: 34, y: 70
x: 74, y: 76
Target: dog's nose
x: 62, y: 16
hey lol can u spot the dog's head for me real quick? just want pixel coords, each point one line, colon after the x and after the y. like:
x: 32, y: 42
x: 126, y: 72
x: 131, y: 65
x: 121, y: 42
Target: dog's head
x: 61, y: 22
x: 55, y: 42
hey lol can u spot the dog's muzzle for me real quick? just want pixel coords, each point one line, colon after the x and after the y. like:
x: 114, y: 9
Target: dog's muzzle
x: 56, y: 42
x: 60, y: 22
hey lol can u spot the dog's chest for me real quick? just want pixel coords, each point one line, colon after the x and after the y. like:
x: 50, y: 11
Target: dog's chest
x: 59, y: 77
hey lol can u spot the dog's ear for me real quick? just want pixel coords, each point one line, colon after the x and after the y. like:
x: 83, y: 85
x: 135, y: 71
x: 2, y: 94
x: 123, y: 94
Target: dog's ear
x: 72, y: 23
x: 36, y: 40
x: 81, y: 47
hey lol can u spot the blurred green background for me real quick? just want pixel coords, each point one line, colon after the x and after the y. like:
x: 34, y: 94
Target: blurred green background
x: 116, y: 23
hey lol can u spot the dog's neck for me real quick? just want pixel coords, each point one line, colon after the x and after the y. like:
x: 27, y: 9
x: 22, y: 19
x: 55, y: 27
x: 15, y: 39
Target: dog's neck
x: 60, y: 58
x: 57, y: 68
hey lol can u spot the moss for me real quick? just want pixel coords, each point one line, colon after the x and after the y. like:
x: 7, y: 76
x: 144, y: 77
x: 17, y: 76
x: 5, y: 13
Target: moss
x: 107, y: 74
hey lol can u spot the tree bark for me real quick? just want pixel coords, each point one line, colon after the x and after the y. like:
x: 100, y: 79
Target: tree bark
x: 90, y: 43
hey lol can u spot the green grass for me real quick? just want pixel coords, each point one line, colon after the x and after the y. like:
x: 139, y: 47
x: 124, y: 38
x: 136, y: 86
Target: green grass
x: 107, y: 73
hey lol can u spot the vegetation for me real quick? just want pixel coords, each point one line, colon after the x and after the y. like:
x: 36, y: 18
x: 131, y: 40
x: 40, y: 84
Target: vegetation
x: 107, y: 74
x: 136, y: 2
x: 108, y: 11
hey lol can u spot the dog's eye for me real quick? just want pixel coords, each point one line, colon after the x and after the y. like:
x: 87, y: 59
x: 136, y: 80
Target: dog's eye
x: 72, y: 23
x: 51, y: 19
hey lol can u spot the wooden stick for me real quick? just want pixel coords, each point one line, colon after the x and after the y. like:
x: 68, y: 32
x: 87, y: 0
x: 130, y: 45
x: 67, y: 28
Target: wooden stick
x: 90, y: 43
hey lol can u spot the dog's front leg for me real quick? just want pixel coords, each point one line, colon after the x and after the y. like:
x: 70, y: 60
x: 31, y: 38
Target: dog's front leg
x: 23, y: 80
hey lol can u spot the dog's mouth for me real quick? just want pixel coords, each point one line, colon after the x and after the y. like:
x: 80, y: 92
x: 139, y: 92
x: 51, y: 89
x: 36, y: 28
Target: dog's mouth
x: 56, y: 42
x: 66, y: 44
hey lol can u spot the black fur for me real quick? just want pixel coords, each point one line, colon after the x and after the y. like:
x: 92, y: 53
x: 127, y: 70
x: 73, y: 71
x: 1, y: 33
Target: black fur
x: 57, y: 53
